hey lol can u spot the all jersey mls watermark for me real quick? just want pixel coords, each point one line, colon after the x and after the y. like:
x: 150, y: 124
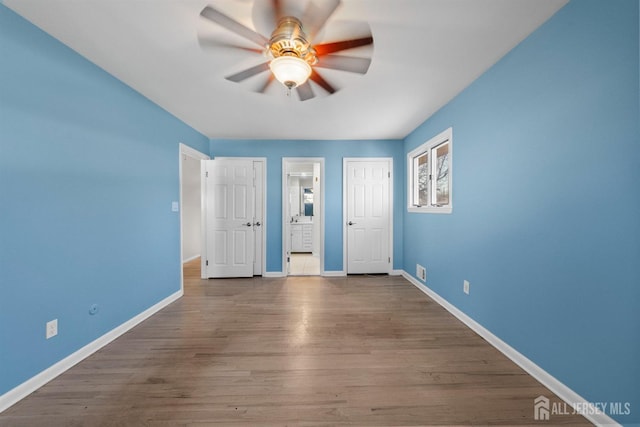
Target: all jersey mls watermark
x: 544, y: 409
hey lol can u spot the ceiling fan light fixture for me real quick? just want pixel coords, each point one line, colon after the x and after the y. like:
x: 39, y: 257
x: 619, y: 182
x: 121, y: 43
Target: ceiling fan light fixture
x: 291, y: 71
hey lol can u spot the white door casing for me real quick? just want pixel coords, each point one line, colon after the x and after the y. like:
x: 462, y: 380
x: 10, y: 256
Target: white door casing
x: 229, y: 206
x: 368, y: 213
x: 319, y: 200
x: 258, y: 217
x: 185, y: 150
x: 317, y: 189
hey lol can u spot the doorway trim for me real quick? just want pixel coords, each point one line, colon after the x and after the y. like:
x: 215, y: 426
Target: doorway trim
x: 263, y: 227
x: 345, y: 162
x: 286, y: 162
x: 186, y: 151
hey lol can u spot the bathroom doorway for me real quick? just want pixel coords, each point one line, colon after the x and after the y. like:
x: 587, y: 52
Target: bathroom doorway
x: 303, y: 216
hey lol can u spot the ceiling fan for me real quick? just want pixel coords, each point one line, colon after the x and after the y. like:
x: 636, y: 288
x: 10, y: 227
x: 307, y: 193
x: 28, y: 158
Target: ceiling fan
x: 292, y: 57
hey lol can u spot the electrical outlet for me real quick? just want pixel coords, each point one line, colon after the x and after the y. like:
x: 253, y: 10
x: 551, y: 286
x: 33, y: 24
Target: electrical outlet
x: 52, y: 328
x: 465, y: 287
x: 93, y: 309
x: 421, y: 272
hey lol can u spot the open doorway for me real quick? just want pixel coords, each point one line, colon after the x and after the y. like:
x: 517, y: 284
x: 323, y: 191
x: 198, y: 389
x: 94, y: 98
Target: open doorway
x: 303, y: 216
x: 190, y: 205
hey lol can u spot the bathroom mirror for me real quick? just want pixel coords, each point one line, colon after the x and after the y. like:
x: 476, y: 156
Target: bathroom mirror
x: 300, y: 195
x: 307, y: 201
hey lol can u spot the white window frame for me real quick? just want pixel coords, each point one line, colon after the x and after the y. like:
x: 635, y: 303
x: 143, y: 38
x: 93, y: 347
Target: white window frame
x: 429, y: 147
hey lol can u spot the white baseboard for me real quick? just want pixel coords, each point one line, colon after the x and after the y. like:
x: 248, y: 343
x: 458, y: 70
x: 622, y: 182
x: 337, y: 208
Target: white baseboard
x: 396, y: 272
x: 545, y: 378
x: 26, y: 388
x: 335, y: 273
x: 190, y: 258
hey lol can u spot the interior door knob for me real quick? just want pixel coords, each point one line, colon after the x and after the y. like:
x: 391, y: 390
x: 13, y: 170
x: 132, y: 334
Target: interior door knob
x: 257, y: 224
x: 248, y: 224
x: 351, y: 223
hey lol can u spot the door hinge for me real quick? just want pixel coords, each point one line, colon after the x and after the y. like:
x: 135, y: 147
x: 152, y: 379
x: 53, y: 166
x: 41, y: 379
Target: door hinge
x: 389, y: 260
x: 206, y: 174
x: 388, y: 174
x: 207, y: 262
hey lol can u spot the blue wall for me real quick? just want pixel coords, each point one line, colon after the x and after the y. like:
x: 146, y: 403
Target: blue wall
x: 546, y: 212
x: 333, y: 152
x: 88, y: 171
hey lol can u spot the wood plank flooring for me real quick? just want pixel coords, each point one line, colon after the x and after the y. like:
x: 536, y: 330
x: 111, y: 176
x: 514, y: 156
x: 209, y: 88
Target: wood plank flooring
x: 360, y: 350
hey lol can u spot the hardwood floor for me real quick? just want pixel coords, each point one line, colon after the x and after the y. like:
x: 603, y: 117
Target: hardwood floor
x: 360, y: 350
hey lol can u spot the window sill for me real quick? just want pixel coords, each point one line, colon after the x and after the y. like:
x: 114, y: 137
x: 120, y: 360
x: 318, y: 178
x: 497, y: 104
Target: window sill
x: 433, y: 210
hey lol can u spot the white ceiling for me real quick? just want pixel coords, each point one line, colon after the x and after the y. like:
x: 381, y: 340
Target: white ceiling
x: 425, y: 52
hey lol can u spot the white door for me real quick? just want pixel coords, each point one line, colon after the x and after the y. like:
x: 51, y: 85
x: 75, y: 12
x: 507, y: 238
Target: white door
x: 229, y: 218
x: 368, y: 215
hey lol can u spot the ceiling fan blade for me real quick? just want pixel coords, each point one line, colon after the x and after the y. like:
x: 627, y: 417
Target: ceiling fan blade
x: 264, y: 87
x: 209, y: 43
x: 315, y: 16
x: 328, y: 48
x: 233, y: 25
x: 249, y: 72
x: 276, y: 5
x: 316, y: 77
x: 351, y: 64
x: 305, y: 91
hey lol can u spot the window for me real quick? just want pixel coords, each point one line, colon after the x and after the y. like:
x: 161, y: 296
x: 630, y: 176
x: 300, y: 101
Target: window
x: 429, y: 179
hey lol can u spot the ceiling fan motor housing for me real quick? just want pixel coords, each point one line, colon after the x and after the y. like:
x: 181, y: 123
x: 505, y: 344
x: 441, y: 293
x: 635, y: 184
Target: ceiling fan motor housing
x: 289, y: 39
